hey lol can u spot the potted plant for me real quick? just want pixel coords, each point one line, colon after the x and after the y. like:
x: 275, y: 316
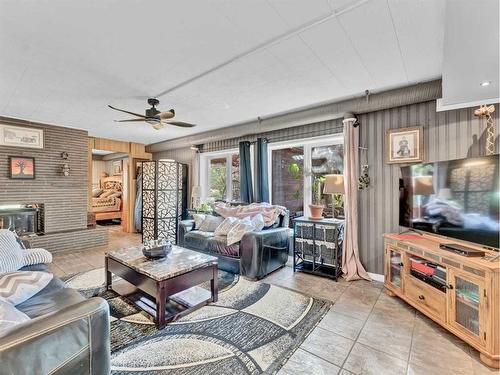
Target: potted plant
x: 316, y: 208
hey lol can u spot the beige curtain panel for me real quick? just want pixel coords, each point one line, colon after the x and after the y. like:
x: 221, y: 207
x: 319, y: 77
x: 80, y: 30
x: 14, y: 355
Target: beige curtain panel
x: 351, y: 265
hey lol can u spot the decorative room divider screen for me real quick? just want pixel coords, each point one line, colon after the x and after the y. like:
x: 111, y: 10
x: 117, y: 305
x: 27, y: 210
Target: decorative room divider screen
x: 162, y: 195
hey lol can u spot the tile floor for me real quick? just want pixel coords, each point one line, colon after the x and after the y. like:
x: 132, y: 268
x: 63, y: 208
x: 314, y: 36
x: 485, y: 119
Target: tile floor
x: 365, y: 331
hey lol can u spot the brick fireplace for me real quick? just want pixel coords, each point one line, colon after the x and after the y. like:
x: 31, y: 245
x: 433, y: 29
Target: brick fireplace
x: 51, y: 209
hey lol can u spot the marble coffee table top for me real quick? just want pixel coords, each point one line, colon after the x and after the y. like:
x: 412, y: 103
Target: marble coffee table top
x: 180, y: 260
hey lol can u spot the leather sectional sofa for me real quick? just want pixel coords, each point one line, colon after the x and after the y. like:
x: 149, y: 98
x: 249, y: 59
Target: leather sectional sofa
x: 255, y: 256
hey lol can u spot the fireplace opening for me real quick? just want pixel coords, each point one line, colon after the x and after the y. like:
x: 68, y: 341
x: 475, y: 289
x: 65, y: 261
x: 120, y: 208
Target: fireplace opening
x: 24, y: 219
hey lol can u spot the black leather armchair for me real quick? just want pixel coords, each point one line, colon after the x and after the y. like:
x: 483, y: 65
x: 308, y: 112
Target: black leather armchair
x: 74, y: 340
x: 67, y: 334
x: 255, y: 256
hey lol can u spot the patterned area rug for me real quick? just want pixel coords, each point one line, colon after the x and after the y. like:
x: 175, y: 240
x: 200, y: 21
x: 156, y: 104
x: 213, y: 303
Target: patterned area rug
x: 253, y: 328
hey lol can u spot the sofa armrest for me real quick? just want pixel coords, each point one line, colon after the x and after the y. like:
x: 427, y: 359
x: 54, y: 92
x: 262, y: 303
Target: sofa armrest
x: 74, y: 340
x: 185, y: 226
x: 263, y: 252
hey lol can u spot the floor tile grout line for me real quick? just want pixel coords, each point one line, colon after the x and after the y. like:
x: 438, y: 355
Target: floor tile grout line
x: 359, y: 333
x: 318, y: 356
x: 378, y: 350
x: 411, y: 341
x: 337, y: 333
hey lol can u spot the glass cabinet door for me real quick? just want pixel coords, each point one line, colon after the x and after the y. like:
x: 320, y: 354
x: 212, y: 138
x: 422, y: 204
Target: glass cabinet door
x: 395, y: 267
x: 467, y: 304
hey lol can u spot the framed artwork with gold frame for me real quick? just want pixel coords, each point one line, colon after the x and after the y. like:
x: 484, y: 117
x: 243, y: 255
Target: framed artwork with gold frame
x: 404, y: 145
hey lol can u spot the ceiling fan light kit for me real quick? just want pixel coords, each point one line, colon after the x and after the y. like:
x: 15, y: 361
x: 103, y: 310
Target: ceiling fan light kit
x: 153, y: 116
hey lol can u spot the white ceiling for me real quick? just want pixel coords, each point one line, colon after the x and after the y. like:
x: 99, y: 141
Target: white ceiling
x: 63, y: 62
x: 471, y: 50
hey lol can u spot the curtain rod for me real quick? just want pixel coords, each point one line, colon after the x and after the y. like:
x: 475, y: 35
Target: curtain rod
x: 234, y: 143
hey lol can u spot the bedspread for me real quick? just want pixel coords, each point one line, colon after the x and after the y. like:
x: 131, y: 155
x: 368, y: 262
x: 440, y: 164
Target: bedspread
x: 108, y: 204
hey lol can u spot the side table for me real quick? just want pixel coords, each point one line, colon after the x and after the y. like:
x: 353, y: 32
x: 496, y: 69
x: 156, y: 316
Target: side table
x: 318, y: 246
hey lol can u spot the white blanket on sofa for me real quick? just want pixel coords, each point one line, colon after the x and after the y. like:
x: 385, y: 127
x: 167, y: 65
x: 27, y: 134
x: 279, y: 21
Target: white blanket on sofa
x: 270, y: 212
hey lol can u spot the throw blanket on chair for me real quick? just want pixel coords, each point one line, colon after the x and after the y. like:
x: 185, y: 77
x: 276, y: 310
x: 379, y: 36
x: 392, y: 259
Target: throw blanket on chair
x: 13, y: 256
x: 268, y: 211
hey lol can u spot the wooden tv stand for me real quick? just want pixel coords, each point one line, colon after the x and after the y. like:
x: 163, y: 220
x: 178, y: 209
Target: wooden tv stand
x: 465, y: 300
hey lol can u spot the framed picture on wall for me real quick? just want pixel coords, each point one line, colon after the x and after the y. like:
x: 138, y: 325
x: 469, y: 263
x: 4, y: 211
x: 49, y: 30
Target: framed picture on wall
x: 117, y: 167
x: 404, y: 145
x: 20, y: 136
x: 22, y: 168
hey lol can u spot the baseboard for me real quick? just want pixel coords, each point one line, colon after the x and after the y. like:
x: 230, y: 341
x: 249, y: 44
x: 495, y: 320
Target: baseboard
x: 376, y: 277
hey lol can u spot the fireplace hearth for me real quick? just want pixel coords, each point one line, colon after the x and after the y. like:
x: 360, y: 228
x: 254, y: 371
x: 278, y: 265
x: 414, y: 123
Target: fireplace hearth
x: 24, y: 219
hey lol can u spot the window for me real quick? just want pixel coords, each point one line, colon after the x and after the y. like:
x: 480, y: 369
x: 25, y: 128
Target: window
x: 295, y: 164
x: 326, y: 160
x: 218, y: 178
x: 287, y: 182
x: 220, y: 175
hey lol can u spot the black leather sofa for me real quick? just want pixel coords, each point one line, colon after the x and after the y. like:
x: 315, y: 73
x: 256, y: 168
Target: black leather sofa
x: 255, y: 256
x: 67, y: 334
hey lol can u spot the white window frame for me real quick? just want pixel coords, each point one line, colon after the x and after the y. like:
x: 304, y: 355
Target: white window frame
x: 307, y: 144
x: 205, y: 158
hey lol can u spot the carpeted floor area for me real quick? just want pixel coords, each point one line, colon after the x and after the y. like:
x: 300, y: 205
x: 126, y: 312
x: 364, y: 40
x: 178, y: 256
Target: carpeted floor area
x: 253, y: 328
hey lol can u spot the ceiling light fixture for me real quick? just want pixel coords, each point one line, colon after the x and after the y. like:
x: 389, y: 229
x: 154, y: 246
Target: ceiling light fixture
x: 485, y: 83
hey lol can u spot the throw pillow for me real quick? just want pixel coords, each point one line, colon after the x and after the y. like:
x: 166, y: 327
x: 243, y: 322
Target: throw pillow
x: 36, y: 256
x: 210, y: 223
x: 10, y: 316
x: 258, y: 222
x: 17, y: 287
x: 96, y: 192
x: 11, y: 254
x: 107, y: 193
x: 238, y: 231
x: 224, y: 227
x: 198, y: 219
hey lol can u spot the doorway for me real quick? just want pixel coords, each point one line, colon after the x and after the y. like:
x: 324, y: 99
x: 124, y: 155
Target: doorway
x: 109, y: 187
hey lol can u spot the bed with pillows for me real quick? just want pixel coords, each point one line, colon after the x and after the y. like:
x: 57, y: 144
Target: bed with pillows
x: 106, y: 201
x: 244, y: 245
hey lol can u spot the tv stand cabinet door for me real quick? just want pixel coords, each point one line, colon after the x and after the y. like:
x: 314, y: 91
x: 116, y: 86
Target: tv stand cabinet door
x: 467, y: 305
x: 394, y: 269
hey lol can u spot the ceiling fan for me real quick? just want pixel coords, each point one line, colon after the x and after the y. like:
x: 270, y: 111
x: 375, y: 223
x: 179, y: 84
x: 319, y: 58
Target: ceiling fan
x: 154, y: 117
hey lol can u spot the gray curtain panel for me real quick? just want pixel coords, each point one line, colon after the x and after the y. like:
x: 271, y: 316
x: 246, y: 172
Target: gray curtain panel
x: 246, y: 188
x: 261, y: 171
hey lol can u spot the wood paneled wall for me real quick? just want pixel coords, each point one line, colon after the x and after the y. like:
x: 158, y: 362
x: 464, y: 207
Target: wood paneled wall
x: 135, y: 152
x: 448, y: 135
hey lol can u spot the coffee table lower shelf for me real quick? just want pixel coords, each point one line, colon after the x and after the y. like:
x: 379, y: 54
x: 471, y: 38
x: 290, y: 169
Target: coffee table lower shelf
x: 169, y: 299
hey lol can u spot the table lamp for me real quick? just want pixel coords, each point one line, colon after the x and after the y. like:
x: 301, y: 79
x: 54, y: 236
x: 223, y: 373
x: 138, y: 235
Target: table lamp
x: 334, y: 184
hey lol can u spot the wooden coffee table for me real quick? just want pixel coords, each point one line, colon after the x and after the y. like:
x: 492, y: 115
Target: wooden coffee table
x: 165, y: 288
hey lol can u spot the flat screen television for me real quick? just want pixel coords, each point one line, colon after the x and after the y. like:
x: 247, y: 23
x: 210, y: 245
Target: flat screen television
x: 456, y: 198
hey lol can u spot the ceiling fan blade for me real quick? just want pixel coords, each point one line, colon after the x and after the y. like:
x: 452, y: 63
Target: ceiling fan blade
x: 167, y: 114
x: 132, y: 120
x: 180, y: 123
x: 130, y: 113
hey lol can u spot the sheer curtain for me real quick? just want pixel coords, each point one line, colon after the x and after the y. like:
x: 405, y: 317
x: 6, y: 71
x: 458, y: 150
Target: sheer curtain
x: 351, y: 265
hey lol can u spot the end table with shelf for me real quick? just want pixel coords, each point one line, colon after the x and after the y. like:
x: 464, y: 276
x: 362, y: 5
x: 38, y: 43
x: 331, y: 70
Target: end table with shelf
x: 318, y: 246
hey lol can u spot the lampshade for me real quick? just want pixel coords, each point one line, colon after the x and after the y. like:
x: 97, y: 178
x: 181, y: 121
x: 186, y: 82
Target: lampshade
x: 334, y: 184
x: 422, y: 185
x: 195, y: 192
